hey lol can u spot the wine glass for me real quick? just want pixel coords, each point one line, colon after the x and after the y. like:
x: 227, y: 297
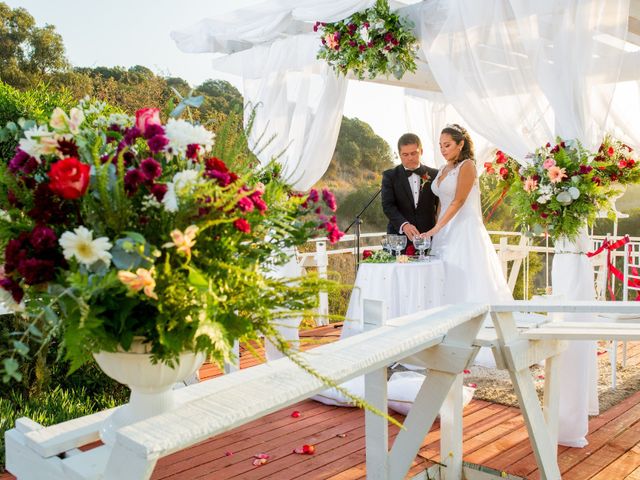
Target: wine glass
x: 401, y: 242
x: 385, y: 242
x: 421, y: 243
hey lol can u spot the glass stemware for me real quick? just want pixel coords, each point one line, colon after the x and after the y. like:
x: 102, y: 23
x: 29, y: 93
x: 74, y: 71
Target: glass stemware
x: 421, y: 244
x: 385, y: 242
x: 401, y: 242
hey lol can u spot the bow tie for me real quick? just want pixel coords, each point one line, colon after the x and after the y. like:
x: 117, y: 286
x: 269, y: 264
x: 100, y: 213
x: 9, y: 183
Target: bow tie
x: 418, y: 171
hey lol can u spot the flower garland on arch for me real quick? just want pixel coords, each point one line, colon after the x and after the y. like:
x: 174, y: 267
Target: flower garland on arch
x: 373, y: 42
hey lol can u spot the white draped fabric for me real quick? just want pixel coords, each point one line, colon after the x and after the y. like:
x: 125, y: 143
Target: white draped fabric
x: 521, y: 72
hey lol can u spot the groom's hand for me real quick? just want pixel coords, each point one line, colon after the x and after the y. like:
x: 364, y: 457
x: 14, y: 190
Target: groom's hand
x: 410, y: 231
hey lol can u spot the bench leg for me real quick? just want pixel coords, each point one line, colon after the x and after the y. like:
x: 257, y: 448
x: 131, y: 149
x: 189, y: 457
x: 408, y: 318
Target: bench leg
x: 123, y: 464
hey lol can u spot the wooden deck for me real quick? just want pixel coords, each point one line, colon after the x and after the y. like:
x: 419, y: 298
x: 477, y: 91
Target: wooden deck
x: 494, y: 436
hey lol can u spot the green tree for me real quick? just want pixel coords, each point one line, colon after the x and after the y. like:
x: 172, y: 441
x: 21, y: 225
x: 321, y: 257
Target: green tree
x: 27, y: 52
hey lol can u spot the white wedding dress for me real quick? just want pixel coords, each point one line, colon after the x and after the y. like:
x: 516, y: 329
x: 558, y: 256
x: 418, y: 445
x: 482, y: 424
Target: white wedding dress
x: 471, y: 265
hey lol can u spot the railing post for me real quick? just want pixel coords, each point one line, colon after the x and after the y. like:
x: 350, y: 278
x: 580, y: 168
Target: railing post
x: 502, y: 253
x: 375, y: 394
x: 451, y: 432
x: 322, y: 260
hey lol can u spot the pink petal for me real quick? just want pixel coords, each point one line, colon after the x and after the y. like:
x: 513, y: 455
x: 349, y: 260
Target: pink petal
x: 259, y: 461
x: 466, y: 372
x: 295, y: 414
x: 262, y: 456
x: 473, y: 385
x: 228, y: 453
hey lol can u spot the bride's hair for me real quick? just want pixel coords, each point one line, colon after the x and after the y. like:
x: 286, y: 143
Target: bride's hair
x: 459, y: 134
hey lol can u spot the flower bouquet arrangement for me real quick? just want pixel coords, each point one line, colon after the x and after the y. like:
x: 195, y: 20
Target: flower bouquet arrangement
x: 616, y: 164
x: 558, y: 190
x: 115, y: 227
x: 372, y: 42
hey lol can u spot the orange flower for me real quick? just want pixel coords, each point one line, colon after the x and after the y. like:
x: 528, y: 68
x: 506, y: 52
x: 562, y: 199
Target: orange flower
x: 556, y: 174
x: 141, y: 280
x: 530, y: 184
x: 183, y: 241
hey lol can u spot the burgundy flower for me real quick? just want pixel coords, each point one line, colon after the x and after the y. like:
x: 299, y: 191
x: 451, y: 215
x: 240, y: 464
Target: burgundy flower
x: 132, y: 180
x: 69, y: 178
x: 157, y: 143
x: 49, y: 208
x: 245, y: 204
x: 329, y: 199
x: 223, y: 178
x: 544, y: 215
x: 388, y: 37
x: 585, y: 169
x: 42, y: 238
x: 13, y: 288
x: 130, y: 136
x: 596, y: 180
x: 242, y: 225
x: 152, y: 131
x: 366, y: 254
x: 158, y: 190
x: 535, y: 206
x: 362, y: 48
x: 22, y: 162
x: 15, y: 252
x: 150, y: 169
x: 411, y: 250
x: 36, y: 270
x: 68, y: 148
x: 216, y: 164
x: 192, y: 151
x: 352, y: 43
x: 313, y: 195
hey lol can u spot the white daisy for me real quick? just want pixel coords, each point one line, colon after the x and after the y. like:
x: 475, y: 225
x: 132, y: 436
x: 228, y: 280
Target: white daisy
x: 84, y: 248
x: 181, y: 133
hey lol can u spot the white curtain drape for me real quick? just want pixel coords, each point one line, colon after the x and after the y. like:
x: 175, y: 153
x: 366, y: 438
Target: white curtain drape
x: 299, y: 102
x: 522, y: 72
x: 240, y: 29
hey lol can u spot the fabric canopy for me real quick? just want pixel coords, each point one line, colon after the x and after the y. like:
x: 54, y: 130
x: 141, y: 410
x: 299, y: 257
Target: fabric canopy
x: 517, y: 72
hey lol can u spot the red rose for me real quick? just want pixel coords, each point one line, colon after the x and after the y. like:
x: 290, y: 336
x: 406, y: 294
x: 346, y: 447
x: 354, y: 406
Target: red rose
x: 69, y: 178
x: 611, y: 151
x: 622, y: 164
x: 411, y: 250
x: 145, y: 117
x: 366, y: 254
x: 504, y: 172
x: 631, y: 162
x: 242, y: 225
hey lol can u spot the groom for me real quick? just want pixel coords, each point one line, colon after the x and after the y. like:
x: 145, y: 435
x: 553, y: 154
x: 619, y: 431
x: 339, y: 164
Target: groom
x: 407, y: 199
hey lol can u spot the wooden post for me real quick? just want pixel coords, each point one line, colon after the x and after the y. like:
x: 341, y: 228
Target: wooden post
x: 375, y: 393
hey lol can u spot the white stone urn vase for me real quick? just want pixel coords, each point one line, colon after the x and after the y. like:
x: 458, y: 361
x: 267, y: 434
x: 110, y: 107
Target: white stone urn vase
x: 151, y: 384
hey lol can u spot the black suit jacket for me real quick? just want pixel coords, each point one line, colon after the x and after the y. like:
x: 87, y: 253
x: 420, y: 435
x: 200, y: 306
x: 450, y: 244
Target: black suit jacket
x: 398, y: 205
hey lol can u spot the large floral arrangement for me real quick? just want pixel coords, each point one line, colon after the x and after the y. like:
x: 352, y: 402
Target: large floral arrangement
x: 115, y: 227
x: 556, y: 191
x: 372, y: 42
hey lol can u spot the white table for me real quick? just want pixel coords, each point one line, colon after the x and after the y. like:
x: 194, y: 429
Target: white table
x: 405, y: 288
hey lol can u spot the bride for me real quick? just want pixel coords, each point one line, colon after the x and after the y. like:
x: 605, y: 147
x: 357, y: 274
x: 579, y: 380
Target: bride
x: 472, y: 268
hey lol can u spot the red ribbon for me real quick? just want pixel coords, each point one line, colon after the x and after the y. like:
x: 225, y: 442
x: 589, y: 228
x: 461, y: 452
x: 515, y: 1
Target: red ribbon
x: 612, y: 270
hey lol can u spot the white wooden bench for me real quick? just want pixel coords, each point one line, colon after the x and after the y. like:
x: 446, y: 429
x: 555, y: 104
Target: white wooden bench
x: 441, y: 337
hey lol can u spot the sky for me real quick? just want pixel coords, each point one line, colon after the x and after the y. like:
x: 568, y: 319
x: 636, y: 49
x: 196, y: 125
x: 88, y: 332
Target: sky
x: 137, y: 32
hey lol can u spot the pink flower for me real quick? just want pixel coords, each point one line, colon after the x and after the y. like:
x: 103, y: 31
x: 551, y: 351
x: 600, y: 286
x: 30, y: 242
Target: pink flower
x: 549, y: 162
x: 145, y: 117
x: 556, y: 174
x: 530, y: 185
x: 332, y: 41
x: 141, y: 280
x: 622, y: 164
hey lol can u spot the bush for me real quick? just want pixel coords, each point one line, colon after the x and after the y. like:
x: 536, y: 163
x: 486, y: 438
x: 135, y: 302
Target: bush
x: 36, y: 103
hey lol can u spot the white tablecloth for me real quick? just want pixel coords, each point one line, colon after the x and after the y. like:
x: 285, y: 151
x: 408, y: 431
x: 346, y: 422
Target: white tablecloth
x: 404, y: 287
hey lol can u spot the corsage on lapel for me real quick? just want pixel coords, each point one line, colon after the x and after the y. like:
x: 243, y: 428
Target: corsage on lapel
x: 424, y: 179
